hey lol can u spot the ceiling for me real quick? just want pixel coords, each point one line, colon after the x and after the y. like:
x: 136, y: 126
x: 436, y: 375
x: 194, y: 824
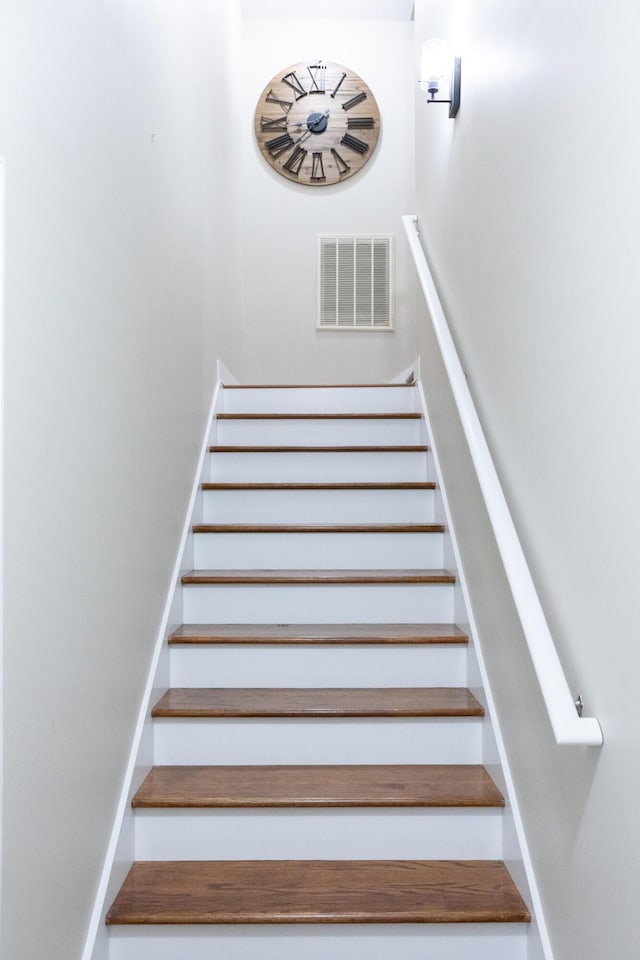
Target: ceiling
x: 348, y: 9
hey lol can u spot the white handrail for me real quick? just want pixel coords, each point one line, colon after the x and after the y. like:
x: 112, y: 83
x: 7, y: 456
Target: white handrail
x: 568, y: 726
x: 2, y: 269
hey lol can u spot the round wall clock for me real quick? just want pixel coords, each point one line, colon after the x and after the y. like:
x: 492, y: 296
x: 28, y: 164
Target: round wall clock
x: 317, y: 123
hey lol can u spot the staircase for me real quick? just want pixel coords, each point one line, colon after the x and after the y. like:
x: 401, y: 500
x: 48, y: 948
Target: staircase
x: 318, y: 790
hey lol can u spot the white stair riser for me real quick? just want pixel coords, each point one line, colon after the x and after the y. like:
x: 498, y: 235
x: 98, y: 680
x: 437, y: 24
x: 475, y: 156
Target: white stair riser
x: 310, y: 400
x: 465, y: 941
x: 318, y: 740
x: 318, y: 431
x: 313, y: 666
x: 319, y: 467
x: 318, y: 506
x: 342, y: 603
x: 319, y: 833
x: 353, y: 834
x: 304, y: 551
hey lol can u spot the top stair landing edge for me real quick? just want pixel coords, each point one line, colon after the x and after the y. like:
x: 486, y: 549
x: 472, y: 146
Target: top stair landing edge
x: 385, y: 398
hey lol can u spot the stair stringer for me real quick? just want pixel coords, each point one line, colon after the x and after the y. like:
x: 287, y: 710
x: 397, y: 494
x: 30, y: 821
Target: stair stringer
x: 515, y: 849
x: 120, y: 851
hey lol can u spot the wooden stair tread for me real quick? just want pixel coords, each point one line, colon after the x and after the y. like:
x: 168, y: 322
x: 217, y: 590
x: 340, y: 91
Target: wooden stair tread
x: 318, y: 528
x: 322, y: 448
x: 317, y: 577
x: 341, y: 485
x: 318, y: 416
x: 318, y: 786
x: 318, y: 633
x: 318, y: 702
x: 318, y: 891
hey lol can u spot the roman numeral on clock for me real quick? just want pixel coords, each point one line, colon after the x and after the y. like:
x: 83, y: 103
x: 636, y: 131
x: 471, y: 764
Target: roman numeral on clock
x: 284, y: 104
x: 271, y: 123
x: 360, y: 123
x: 338, y: 85
x: 279, y: 145
x: 353, y: 143
x: 292, y: 80
x: 341, y: 163
x: 359, y: 97
x: 317, y: 166
x: 295, y: 161
x: 318, y: 75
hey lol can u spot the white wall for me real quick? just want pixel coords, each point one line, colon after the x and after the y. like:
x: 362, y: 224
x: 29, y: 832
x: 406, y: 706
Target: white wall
x: 529, y: 204
x: 103, y: 108
x: 222, y: 195
x: 281, y: 219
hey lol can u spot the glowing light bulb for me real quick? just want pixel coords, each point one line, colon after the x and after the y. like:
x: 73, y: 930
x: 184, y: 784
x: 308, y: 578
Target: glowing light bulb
x: 435, y: 66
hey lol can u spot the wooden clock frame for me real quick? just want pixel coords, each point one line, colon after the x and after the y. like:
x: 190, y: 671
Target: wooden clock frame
x: 317, y: 123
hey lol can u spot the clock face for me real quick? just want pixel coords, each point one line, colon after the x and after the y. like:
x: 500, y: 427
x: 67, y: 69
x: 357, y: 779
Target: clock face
x: 317, y: 123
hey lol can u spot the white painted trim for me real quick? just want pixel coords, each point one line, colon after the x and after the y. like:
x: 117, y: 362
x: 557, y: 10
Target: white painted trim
x: 123, y: 811
x: 490, y: 703
x: 409, y: 374
x: 568, y: 727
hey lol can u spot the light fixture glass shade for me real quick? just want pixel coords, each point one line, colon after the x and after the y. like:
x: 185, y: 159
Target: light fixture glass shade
x: 435, y: 65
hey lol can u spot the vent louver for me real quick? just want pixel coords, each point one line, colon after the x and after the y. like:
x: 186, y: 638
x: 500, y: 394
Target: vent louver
x: 355, y: 282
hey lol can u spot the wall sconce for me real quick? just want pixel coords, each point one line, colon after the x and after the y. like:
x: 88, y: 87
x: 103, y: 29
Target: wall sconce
x: 438, y: 68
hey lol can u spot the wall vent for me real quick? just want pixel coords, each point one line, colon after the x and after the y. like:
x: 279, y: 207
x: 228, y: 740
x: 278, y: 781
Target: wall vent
x: 355, y: 288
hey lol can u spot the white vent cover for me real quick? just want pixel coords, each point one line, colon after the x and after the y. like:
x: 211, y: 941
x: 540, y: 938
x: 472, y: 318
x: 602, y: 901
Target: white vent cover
x: 355, y: 282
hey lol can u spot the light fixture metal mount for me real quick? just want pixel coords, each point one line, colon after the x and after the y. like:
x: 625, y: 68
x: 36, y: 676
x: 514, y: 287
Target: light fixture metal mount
x: 439, y: 70
x: 454, y: 90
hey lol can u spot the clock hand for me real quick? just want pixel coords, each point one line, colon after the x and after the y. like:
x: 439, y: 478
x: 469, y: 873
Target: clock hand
x: 318, y: 121
x: 303, y: 136
x: 315, y: 123
x: 311, y: 127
